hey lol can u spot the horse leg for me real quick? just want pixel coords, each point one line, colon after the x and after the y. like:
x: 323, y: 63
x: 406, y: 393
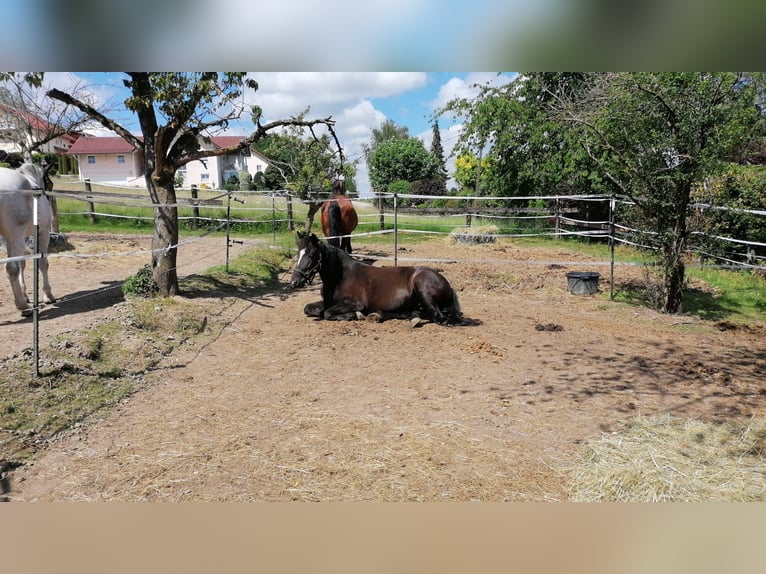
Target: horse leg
x: 43, y: 266
x: 342, y: 312
x: 433, y: 311
x: 43, y: 242
x: 15, y: 272
x: 314, y: 309
x: 21, y: 280
x: 345, y: 244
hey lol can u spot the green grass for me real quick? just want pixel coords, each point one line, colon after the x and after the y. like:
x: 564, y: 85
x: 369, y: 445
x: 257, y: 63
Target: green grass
x: 256, y: 270
x: 135, y: 216
x: 82, y: 372
x: 737, y: 296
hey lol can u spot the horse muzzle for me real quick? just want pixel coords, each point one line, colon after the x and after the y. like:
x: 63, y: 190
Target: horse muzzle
x: 301, y: 278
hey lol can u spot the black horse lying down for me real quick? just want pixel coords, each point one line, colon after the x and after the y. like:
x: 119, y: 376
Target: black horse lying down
x: 351, y: 288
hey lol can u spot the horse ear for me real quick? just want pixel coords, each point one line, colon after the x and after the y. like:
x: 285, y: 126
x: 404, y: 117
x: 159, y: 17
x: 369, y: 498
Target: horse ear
x: 301, y: 235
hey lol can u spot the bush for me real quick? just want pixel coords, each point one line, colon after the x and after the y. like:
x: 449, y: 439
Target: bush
x: 141, y: 284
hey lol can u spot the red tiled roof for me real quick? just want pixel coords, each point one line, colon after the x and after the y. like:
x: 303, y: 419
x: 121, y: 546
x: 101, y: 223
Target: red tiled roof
x: 35, y: 122
x: 114, y: 144
x: 226, y: 141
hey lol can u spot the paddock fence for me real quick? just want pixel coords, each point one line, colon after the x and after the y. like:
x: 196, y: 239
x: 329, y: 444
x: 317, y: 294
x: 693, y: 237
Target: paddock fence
x: 589, y: 218
x: 580, y: 217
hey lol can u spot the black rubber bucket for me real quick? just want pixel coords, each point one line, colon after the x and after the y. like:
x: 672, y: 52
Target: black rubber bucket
x: 582, y: 282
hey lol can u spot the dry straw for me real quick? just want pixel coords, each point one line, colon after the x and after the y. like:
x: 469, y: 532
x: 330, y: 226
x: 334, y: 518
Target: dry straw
x: 474, y: 234
x: 652, y: 459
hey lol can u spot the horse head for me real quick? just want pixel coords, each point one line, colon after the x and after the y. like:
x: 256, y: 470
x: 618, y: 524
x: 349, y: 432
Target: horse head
x: 37, y: 175
x: 339, y: 186
x: 309, y: 260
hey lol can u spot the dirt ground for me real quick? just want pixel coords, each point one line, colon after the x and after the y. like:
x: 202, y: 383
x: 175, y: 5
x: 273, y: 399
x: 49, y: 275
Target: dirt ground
x: 280, y: 407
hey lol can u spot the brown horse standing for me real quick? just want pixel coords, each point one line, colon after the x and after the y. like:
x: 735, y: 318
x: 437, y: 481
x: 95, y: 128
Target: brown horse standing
x: 338, y: 217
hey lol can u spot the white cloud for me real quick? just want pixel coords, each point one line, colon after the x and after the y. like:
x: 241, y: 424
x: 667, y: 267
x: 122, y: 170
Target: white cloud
x: 466, y: 88
x: 282, y: 94
x: 346, y: 96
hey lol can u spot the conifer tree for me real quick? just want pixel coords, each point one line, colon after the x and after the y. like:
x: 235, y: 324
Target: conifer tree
x: 437, y: 150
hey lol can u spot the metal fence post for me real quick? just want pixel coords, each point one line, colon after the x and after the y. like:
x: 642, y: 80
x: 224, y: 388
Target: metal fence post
x: 396, y: 229
x: 36, y: 287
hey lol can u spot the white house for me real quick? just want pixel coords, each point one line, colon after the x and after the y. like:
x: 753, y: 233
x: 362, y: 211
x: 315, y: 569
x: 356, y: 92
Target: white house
x: 213, y: 172
x: 112, y: 159
x: 109, y: 159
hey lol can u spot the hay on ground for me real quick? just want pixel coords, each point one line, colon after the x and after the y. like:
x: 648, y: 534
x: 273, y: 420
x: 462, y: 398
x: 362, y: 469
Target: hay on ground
x: 651, y: 459
x: 474, y: 235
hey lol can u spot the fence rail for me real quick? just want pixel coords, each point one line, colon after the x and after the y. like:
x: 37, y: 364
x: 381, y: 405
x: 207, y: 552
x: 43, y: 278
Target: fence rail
x: 590, y: 216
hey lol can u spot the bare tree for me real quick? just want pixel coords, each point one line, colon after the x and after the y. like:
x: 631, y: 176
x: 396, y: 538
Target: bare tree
x: 176, y: 112
x: 30, y: 120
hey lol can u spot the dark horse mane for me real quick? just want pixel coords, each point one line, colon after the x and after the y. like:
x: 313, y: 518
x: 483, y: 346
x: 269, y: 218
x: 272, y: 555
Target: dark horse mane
x: 334, y: 262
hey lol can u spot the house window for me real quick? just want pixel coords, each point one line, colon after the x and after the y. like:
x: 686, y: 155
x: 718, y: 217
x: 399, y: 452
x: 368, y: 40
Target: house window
x: 91, y: 159
x: 204, y: 177
x: 258, y: 168
x: 120, y: 159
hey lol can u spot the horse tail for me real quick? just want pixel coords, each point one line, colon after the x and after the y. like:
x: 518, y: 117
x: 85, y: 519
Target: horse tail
x: 452, y: 314
x: 334, y: 222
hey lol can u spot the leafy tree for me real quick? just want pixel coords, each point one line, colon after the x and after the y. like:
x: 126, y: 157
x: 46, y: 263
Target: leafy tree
x: 176, y: 111
x: 655, y: 137
x: 404, y: 159
x: 466, y: 171
x: 649, y: 136
x: 387, y: 131
x: 30, y: 120
x: 305, y: 166
x: 732, y: 196
x: 531, y: 151
x: 301, y: 164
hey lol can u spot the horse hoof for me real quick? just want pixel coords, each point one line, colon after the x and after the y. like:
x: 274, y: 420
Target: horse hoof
x: 26, y: 312
x: 417, y: 322
x: 374, y: 317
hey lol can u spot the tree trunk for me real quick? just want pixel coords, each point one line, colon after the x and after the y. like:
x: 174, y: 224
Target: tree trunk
x: 313, y: 208
x: 672, y: 252
x: 165, y: 239
x: 673, y: 272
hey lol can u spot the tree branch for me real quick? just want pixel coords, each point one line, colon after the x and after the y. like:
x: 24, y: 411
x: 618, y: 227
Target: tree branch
x: 260, y: 132
x: 98, y: 116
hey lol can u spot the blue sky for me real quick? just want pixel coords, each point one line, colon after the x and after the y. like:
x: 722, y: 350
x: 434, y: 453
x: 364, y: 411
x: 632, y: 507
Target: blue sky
x: 357, y: 101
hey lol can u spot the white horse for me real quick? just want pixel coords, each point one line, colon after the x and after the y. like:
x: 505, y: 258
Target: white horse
x: 16, y: 223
